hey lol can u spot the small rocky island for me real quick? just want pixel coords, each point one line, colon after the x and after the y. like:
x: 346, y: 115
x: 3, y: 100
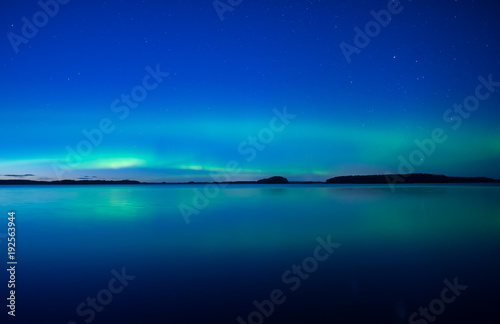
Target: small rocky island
x: 273, y: 180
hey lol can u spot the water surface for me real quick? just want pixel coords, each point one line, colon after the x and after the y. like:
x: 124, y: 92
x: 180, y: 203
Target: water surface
x: 396, y: 249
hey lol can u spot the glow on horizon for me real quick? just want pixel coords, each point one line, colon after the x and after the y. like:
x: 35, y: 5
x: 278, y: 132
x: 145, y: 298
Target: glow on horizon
x: 327, y: 151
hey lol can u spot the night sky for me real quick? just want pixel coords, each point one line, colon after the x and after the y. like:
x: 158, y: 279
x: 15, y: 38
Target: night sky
x: 177, y: 90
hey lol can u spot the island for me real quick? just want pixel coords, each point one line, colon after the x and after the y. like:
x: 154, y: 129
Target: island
x: 392, y: 179
x: 407, y: 178
x: 273, y: 180
x: 67, y: 182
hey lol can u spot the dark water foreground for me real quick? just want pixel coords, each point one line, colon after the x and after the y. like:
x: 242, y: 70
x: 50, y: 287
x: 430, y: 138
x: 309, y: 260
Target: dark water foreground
x: 264, y: 254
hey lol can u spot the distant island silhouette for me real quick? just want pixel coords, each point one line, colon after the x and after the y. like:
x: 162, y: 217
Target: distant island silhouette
x: 352, y: 179
x: 67, y: 182
x: 408, y: 178
x: 275, y: 180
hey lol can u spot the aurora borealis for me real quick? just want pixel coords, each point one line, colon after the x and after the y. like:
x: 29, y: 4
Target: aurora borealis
x: 167, y: 91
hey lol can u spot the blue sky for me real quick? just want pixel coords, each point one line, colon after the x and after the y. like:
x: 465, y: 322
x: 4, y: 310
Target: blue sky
x: 214, y: 83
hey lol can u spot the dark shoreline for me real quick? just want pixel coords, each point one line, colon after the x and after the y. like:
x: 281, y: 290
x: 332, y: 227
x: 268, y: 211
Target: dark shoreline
x: 391, y: 179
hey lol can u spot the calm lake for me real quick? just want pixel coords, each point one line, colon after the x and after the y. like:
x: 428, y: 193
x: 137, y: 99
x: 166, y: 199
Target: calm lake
x: 255, y: 254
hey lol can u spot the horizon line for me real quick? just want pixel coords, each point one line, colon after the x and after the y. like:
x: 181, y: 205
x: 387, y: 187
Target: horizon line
x: 346, y: 179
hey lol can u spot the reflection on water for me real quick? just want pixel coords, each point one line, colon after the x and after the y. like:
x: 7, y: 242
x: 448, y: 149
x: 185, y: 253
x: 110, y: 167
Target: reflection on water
x: 396, y: 250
